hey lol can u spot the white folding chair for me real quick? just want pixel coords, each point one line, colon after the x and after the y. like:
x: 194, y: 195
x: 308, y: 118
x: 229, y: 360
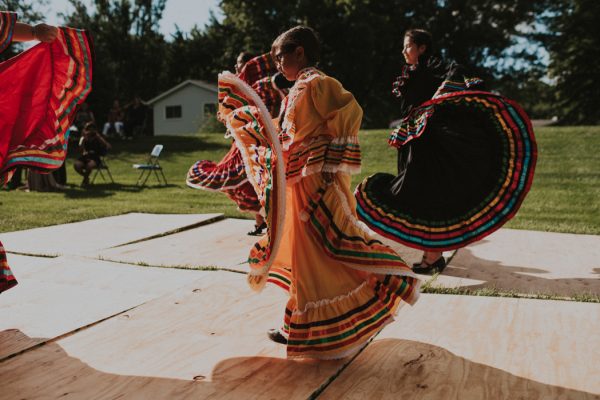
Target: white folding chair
x: 151, y: 165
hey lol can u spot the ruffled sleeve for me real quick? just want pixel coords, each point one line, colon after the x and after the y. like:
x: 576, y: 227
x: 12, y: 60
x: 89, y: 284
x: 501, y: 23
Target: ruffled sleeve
x: 7, y: 25
x: 337, y: 107
x: 328, y: 119
x: 400, y: 85
x: 418, y: 83
x: 449, y: 78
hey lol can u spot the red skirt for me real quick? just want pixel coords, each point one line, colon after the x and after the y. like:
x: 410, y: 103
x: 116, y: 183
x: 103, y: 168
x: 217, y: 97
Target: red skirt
x: 7, y: 279
x: 227, y: 176
x: 40, y: 90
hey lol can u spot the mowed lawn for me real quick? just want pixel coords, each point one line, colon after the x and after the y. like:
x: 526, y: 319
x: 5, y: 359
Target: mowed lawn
x: 565, y: 196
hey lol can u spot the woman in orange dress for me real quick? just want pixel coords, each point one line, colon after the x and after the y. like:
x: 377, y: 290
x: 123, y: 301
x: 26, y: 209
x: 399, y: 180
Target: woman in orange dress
x: 344, y: 285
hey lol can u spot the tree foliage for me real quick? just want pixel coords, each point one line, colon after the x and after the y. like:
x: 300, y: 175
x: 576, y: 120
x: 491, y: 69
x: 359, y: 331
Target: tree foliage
x: 27, y: 12
x: 362, y: 39
x: 130, y: 52
x: 361, y: 44
x: 573, y: 40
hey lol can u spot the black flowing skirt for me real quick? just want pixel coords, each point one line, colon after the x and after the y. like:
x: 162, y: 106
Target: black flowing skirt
x: 465, y: 163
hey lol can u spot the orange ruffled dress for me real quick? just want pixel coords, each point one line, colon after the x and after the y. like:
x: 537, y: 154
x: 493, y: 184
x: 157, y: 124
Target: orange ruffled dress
x: 228, y: 175
x: 344, y: 285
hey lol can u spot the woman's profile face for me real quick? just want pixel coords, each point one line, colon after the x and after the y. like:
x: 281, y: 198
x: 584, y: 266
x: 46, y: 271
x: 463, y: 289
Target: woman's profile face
x: 412, y: 51
x: 289, y: 63
x: 239, y: 64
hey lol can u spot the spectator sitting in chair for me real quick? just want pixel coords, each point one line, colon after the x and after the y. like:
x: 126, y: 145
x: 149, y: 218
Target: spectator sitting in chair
x: 93, y: 146
x: 114, y: 125
x: 83, y: 116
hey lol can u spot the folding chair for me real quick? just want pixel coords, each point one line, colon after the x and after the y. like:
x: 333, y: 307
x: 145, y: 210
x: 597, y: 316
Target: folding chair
x: 151, y: 165
x: 98, y: 170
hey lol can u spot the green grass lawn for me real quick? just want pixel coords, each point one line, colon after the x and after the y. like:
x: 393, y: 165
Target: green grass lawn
x: 565, y: 196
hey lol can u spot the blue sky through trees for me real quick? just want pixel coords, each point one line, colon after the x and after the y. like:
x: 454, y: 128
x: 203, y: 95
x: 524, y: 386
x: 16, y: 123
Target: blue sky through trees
x: 183, y: 13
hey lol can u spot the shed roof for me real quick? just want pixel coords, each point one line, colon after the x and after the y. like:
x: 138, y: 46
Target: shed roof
x: 200, y: 84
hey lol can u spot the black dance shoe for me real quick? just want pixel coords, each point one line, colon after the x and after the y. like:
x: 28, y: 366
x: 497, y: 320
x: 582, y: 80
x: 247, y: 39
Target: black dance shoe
x: 276, y: 336
x: 425, y: 268
x: 258, y: 229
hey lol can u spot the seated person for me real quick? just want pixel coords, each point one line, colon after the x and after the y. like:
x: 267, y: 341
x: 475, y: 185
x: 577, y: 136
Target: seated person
x: 83, y: 116
x: 114, y: 124
x: 93, y: 146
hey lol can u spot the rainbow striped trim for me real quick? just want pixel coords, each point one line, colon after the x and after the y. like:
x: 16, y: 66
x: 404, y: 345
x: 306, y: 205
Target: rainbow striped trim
x: 202, y: 175
x: 7, y: 279
x: 250, y: 124
x: 520, y: 155
x: 281, y: 277
x: 321, y: 328
x: 370, y: 307
x: 357, y: 251
x: 324, y: 154
x: 258, y: 68
x: 269, y: 94
x: 7, y: 25
x: 229, y: 173
x: 449, y: 86
x: 413, y: 125
x: 245, y: 198
x: 72, y: 48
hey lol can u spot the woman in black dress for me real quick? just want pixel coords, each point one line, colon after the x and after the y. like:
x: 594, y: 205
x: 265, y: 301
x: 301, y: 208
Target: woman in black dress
x: 466, y: 159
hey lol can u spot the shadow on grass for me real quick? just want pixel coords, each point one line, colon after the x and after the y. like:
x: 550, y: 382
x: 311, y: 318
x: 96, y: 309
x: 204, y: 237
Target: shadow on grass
x: 172, y: 145
x: 86, y: 194
x: 99, y: 190
x: 153, y: 186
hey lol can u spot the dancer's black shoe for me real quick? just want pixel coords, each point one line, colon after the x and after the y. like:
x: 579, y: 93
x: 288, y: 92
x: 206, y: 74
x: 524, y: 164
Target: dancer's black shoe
x: 258, y: 229
x: 276, y: 336
x: 426, y: 268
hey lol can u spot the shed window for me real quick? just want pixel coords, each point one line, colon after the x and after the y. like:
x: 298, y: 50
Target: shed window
x: 173, y: 112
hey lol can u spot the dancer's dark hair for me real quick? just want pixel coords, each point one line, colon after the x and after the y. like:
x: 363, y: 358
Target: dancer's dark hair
x: 245, y: 56
x: 300, y: 36
x: 421, y: 37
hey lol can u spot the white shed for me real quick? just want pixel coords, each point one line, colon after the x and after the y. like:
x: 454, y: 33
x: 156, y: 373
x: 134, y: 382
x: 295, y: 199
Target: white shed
x: 181, y: 109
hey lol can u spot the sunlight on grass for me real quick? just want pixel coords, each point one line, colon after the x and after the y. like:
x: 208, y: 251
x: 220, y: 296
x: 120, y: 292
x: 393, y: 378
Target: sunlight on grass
x: 564, y: 197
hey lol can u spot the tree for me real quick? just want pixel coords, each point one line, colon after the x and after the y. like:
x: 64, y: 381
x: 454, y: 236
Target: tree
x: 362, y: 43
x: 573, y: 40
x: 26, y: 13
x: 362, y: 39
x: 130, y: 53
